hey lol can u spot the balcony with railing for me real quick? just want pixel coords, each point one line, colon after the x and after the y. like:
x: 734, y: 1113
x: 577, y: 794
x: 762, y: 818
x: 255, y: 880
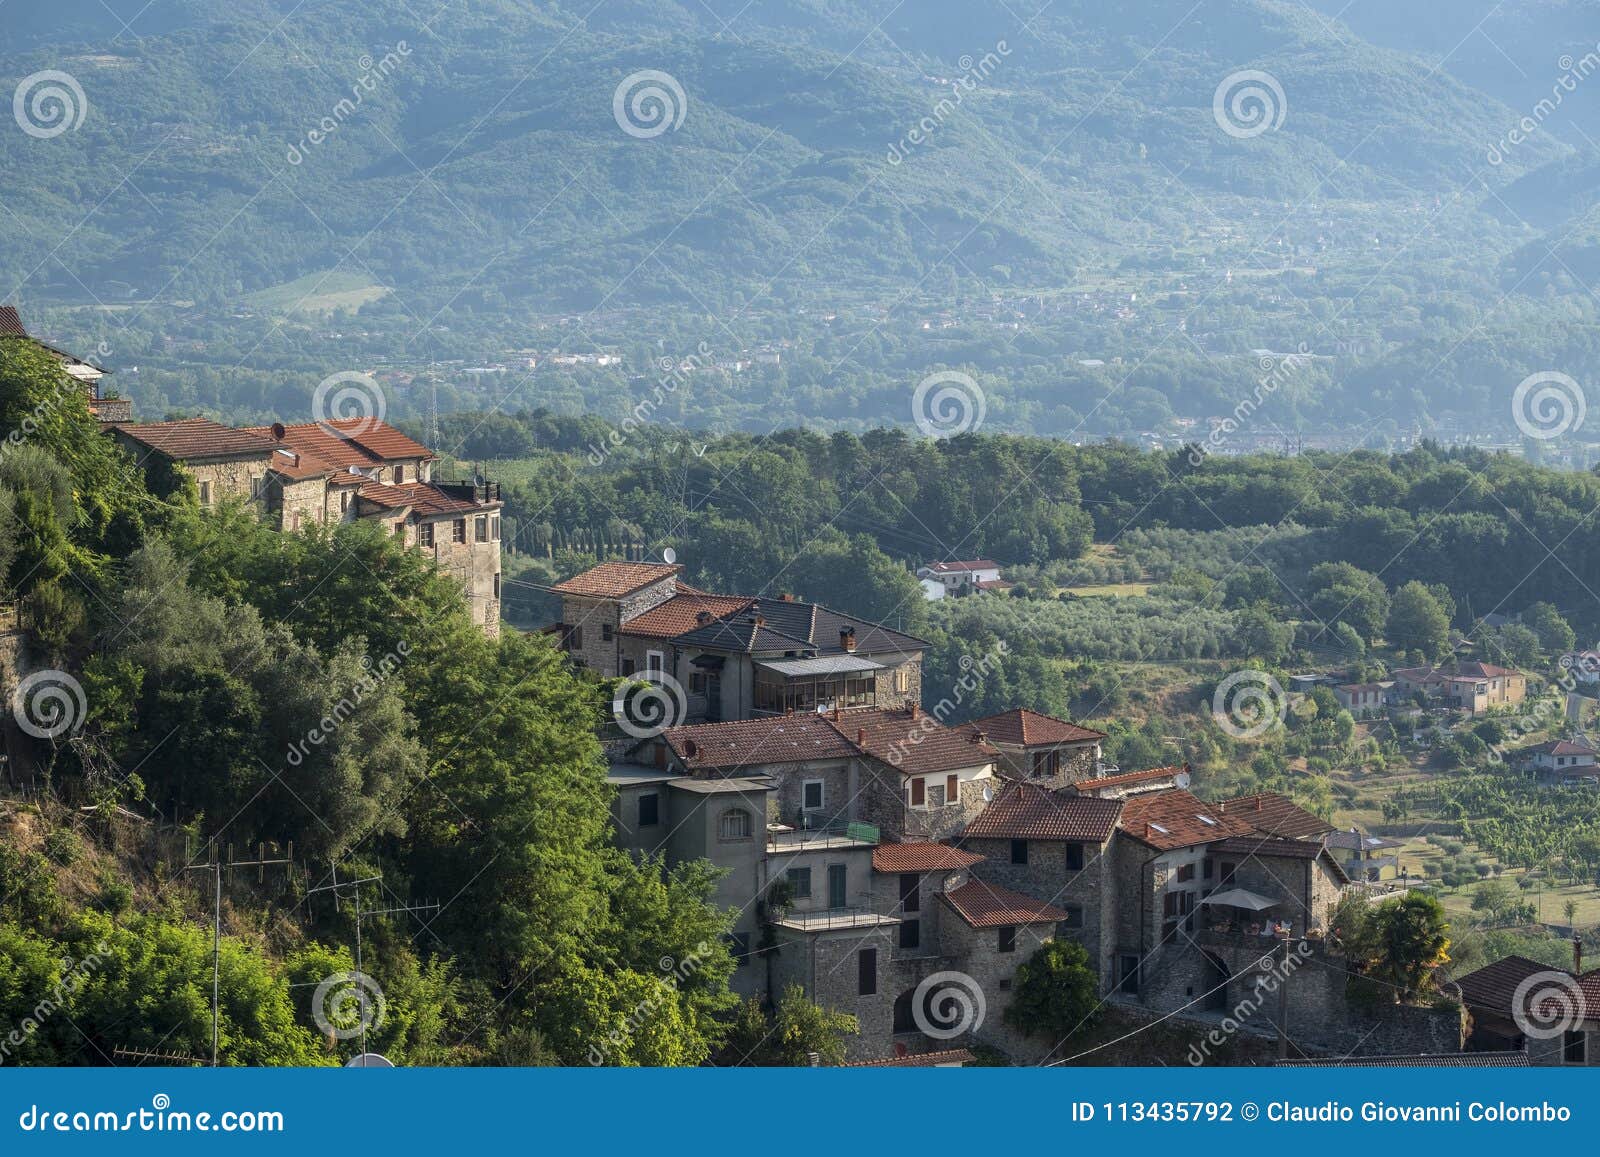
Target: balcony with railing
x: 822, y: 835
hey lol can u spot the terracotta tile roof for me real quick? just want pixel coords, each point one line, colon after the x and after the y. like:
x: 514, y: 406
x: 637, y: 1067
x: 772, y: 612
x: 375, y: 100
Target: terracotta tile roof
x: 193, y: 438
x: 1171, y: 819
x: 1457, y: 670
x: 615, y: 580
x: 1562, y: 747
x: 680, y: 613
x: 426, y: 499
x: 1025, y: 811
x: 1026, y: 728
x: 916, y: 744
x: 753, y: 742
x: 1254, y: 845
x: 348, y: 442
x: 917, y: 1060
x: 984, y: 905
x: 1273, y: 814
x: 11, y: 322
x: 1132, y: 778
x: 921, y: 858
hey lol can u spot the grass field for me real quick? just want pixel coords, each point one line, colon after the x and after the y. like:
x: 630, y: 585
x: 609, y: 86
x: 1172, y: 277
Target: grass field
x: 319, y: 293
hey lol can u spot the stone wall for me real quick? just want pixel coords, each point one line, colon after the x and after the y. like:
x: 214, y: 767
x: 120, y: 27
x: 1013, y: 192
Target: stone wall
x: 1084, y: 893
x: 1078, y: 762
x: 476, y: 566
x: 886, y: 682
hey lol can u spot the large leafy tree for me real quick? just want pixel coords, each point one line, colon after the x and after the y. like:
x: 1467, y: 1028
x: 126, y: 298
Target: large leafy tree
x: 1056, y: 992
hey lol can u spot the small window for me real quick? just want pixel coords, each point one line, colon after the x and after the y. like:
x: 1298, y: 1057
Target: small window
x: 458, y: 530
x: 1007, y: 939
x: 734, y: 825
x: 494, y: 527
x: 205, y: 494
x: 811, y: 794
x: 655, y: 661
x: 1185, y: 873
x: 649, y: 810
x: 1019, y: 851
x: 952, y: 789
x: 1210, y: 868
x: 1074, y: 916
x: 425, y: 534
x: 480, y: 528
x: 910, y: 892
x: 399, y: 475
x: 628, y: 667
x: 400, y: 529
x: 799, y: 882
x: 1005, y: 984
x: 910, y: 933
x: 607, y: 632
x: 496, y: 584
x: 867, y: 972
x: 1074, y: 857
x: 1575, y: 1047
x: 919, y: 793
x: 1228, y: 869
x: 344, y: 505
x: 575, y: 638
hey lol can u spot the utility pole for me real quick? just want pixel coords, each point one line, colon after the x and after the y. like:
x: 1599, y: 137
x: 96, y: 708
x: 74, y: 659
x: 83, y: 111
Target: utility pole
x: 1283, y: 1001
x: 216, y: 868
x: 361, y: 914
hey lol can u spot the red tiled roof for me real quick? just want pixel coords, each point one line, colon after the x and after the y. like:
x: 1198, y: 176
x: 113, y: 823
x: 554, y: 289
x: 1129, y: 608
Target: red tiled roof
x: 921, y: 858
x: 984, y: 905
x: 1171, y: 819
x: 1562, y: 747
x: 752, y: 742
x: 915, y: 744
x: 681, y: 613
x: 917, y: 1060
x: 1149, y: 775
x: 1025, y: 811
x: 191, y: 438
x: 615, y: 580
x: 11, y: 322
x: 1458, y: 670
x: 426, y: 499
x: 346, y: 442
x: 1027, y: 728
x: 1273, y: 814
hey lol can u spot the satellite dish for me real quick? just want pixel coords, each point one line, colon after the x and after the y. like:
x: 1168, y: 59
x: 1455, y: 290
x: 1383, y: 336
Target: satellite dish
x: 988, y: 794
x: 670, y: 556
x: 369, y: 1061
x: 1181, y: 779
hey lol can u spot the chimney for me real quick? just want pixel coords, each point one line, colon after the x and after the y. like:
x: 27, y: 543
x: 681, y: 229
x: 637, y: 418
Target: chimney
x: 1258, y: 803
x: 786, y: 597
x: 978, y: 737
x: 861, y: 738
x: 916, y: 711
x: 761, y: 620
x: 690, y: 749
x: 847, y: 638
x: 703, y: 618
x: 836, y: 713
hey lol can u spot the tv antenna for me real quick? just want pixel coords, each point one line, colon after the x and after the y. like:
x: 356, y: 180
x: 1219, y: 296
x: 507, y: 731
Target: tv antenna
x: 361, y: 914
x: 216, y: 868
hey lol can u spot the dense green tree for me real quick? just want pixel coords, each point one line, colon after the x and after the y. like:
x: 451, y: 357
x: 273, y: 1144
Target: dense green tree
x: 1417, y: 622
x: 1056, y: 992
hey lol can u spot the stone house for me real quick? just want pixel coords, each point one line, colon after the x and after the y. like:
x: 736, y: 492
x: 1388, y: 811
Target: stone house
x: 1040, y: 748
x: 1124, y: 785
x: 734, y: 656
x: 1055, y: 846
x: 1365, y: 857
x: 1364, y: 700
x: 1470, y: 686
x: 1507, y: 1004
x: 105, y: 407
x: 338, y: 471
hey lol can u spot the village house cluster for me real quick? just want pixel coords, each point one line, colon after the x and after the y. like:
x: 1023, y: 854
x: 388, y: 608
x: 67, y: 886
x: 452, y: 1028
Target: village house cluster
x: 884, y: 861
